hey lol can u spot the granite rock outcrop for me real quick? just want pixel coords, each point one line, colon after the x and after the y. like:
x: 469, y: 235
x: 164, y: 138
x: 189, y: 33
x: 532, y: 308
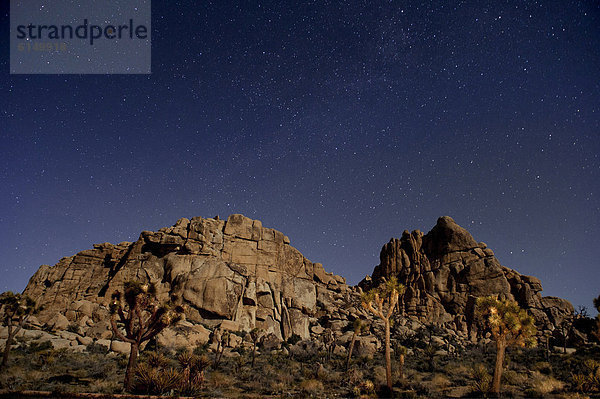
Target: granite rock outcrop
x: 445, y: 270
x: 233, y: 272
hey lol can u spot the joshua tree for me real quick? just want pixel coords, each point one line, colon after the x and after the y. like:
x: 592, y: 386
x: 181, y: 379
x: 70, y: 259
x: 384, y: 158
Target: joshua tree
x: 429, y: 352
x: 581, y: 312
x: 358, y: 327
x: 142, y: 316
x: 510, y: 325
x: 547, y: 336
x: 386, y: 294
x: 329, y: 341
x: 221, y: 338
x: 565, y: 328
x: 15, y: 309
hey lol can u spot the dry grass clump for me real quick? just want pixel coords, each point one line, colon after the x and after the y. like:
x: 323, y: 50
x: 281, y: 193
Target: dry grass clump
x: 542, y: 367
x: 312, y: 387
x: 541, y: 385
x: 219, y: 380
x: 431, y: 385
x: 573, y: 395
x: 379, y: 375
x: 516, y: 378
x: 106, y: 386
x: 364, y: 388
x: 354, y: 376
x: 440, y: 382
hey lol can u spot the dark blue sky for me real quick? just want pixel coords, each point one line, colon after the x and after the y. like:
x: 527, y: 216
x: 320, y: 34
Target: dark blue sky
x: 339, y: 123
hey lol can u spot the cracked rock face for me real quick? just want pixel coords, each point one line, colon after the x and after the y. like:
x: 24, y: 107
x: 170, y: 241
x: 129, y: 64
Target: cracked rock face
x: 446, y: 269
x: 234, y: 270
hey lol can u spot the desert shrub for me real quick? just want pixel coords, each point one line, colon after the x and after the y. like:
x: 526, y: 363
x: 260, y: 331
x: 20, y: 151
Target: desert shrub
x: 166, y: 380
x: 365, y: 387
x: 106, y: 387
x: 379, y: 375
x: 512, y: 377
x: 333, y: 378
x: 220, y: 380
x: 542, y: 367
x: 440, y: 382
x: 579, y: 382
x: 201, y: 349
x: 311, y: 387
x: 542, y: 385
x: 458, y: 373
x: 408, y: 394
x: 588, y: 380
x: 238, y: 363
x: 275, y: 387
x: 96, y: 348
x: 154, y: 381
x: 482, y: 380
x: 36, y: 346
x: 354, y: 377
x: 156, y: 360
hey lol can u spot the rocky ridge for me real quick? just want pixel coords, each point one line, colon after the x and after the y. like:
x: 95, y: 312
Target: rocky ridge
x: 445, y: 270
x: 235, y: 274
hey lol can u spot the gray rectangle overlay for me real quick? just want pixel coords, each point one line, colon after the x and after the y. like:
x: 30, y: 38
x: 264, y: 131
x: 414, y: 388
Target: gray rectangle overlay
x: 80, y: 37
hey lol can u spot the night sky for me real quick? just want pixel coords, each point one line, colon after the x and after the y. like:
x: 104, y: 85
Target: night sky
x: 340, y: 124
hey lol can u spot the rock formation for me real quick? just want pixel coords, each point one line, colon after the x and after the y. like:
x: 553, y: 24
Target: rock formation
x: 446, y: 269
x: 234, y: 272
x: 238, y: 275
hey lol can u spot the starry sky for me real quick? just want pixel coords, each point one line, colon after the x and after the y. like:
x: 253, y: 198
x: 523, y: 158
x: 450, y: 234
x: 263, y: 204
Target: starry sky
x: 339, y: 123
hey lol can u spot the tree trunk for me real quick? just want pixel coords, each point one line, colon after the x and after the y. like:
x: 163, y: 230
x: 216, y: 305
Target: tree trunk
x: 401, y: 366
x: 500, y: 348
x: 350, y: 349
x: 388, y: 357
x: 7, y: 345
x: 131, y: 365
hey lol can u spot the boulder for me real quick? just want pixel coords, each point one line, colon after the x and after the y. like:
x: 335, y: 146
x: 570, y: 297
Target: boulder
x: 60, y: 343
x: 58, y: 322
x: 120, y: 347
x: 84, y: 340
x: 366, y: 346
x: 269, y: 342
x: 230, y: 325
x: 99, y: 330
